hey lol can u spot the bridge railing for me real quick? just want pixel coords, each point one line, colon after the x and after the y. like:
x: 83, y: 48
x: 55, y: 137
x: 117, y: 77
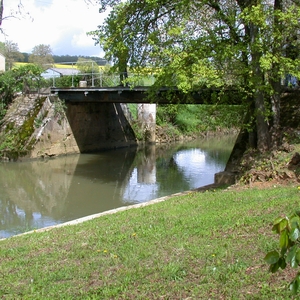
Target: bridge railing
x: 64, y: 75
x: 103, y: 80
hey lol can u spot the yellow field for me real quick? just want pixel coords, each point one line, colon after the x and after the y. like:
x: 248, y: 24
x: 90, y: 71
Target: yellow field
x: 61, y: 66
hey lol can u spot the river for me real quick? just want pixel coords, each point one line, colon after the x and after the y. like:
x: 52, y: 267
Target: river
x: 40, y: 193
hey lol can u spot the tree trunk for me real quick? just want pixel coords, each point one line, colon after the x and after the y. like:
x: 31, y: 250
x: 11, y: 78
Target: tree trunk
x: 1, y: 11
x: 123, y: 76
x: 276, y: 82
x: 275, y: 132
x: 262, y: 128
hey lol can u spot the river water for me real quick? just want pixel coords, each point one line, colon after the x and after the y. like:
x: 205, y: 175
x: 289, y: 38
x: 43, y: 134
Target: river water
x: 41, y: 193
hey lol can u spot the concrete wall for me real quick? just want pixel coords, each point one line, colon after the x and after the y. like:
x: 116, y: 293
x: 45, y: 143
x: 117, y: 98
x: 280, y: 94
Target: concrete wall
x: 86, y: 127
x: 99, y: 126
x: 55, y: 136
x: 81, y: 127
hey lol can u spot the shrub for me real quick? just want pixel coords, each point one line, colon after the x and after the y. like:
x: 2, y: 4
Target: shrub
x: 288, y: 229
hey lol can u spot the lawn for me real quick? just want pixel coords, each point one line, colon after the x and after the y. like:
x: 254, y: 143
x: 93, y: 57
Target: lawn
x: 200, y: 245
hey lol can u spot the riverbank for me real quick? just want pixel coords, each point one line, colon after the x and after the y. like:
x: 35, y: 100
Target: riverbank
x: 117, y: 210
x: 207, y: 245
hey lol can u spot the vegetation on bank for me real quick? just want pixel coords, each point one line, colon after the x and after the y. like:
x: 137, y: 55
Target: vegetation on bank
x: 173, y: 121
x: 207, y: 245
x: 190, y: 120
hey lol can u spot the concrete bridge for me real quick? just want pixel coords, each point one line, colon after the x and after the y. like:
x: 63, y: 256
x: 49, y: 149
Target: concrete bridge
x: 99, y: 109
x: 100, y: 120
x: 139, y: 94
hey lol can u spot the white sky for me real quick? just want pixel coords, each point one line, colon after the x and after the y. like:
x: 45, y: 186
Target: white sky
x: 62, y: 24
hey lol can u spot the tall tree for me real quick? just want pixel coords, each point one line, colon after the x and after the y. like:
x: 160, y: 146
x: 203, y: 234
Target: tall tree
x: 12, y: 54
x: 18, y: 12
x: 1, y: 11
x: 2, y: 47
x: 41, y: 56
x: 199, y: 43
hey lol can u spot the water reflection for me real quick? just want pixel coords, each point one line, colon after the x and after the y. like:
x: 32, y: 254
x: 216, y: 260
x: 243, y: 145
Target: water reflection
x: 42, y: 193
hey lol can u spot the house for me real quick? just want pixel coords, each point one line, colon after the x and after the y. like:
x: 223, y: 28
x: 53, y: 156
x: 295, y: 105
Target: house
x: 59, y: 72
x: 2, y: 62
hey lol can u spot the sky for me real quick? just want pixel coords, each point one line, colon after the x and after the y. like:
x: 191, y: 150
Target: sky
x: 62, y: 24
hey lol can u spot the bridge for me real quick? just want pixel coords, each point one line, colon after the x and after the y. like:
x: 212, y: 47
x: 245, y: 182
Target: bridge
x: 139, y: 94
x: 103, y: 88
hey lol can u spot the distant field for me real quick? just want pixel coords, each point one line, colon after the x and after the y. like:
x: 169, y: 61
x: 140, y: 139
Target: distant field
x: 61, y: 66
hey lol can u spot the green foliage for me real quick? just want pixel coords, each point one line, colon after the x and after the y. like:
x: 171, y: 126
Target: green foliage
x: 16, y: 141
x: 192, y: 118
x: 166, y: 114
x: 185, y: 119
x: 7, y: 89
x: 153, y: 251
x: 60, y: 107
x: 138, y: 131
x: 22, y: 79
x: 65, y: 81
x: 194, y: 44
x: 133, y: 110
x: 9, y: 143
x: 87, y: 66
x: 41, y: 56
x: 11, y: 53
x: 38, y: 122
x: 288, y: 229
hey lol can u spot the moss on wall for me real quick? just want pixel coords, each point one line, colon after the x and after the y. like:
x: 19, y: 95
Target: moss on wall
x: 16, y: 141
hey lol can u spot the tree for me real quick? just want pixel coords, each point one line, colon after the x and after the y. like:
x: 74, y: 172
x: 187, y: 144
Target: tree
x: 12, y: 54
x: 2, y: 47
x: 41, y: 56
x: 116, y: 48
x: 1, y: 11
x: 194, y: 44
x: 21, y: 79
x: 19, y: 12
x: 88, y: 68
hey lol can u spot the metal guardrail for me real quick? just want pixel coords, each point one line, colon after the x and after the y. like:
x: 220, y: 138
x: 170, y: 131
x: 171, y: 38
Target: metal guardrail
x: 95, y: 76
x: 110, y: 80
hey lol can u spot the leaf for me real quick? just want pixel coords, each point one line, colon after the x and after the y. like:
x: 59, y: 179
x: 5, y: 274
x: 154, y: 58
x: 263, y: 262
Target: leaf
x: 291, y: 256
x: 283, y: 224
x: 295, y: 234
x: 272, y: 257
x: 274, y: 267
x: 298, y: 257
x: 276, y: 224
x: 294, y: 286
x: 283, y: 241
x: 282, y: 263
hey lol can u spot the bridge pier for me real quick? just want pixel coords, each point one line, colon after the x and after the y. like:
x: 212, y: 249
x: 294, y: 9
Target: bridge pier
x: 147, y: 121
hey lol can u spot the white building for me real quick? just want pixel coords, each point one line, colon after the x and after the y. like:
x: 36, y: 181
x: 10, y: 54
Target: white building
x: 2, y: 62
x: 59, y: 72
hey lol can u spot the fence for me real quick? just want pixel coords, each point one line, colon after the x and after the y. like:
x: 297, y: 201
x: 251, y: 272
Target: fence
x: 91, y: 75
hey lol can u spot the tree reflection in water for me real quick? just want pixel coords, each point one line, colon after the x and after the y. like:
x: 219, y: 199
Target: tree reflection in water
x: 41, y: 193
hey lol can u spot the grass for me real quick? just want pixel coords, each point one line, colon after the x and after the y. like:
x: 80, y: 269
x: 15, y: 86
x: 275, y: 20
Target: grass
x: 207, y: 245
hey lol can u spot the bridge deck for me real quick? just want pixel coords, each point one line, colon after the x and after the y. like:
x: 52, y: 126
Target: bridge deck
x: 120, y: 94
x: 133, y: 95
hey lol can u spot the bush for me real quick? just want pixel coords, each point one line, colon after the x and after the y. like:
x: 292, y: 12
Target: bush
x: 191, y: 118
x: 288, y: 229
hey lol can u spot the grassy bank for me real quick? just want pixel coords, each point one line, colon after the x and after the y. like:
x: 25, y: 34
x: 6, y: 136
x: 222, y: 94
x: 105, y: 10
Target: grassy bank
x: 175, y: 120
x: 207, y: 245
